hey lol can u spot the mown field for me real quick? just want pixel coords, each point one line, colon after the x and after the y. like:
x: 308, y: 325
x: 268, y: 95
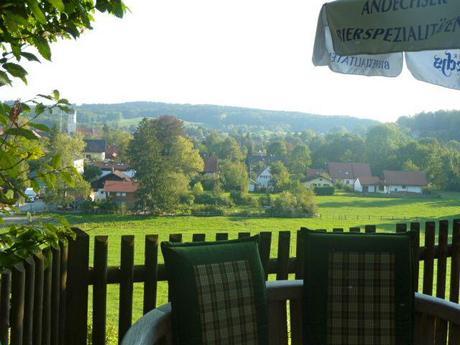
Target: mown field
x: 344, y: 210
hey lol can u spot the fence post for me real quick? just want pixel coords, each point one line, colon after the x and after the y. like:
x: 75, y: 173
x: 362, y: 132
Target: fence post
x: 76, y: 328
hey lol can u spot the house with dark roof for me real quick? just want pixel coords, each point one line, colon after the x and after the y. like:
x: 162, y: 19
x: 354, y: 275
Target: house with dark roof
x: 98, y: 186
x: 95, y: 149
x: 347, y: 173
x: 392, y: 182
x: 121, y: 192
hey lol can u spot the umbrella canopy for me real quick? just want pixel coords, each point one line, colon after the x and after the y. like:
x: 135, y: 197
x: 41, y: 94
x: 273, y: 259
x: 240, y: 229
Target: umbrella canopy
x: 369, y: 37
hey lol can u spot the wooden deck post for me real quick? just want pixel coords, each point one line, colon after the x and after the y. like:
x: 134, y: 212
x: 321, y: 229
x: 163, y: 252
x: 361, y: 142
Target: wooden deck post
x: 76, y: 329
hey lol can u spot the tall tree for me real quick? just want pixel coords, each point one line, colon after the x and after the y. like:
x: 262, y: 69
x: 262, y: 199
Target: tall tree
x: 234, y: 176
x: 165, y: 161
x: 299, y: 160
x: 281, y: 179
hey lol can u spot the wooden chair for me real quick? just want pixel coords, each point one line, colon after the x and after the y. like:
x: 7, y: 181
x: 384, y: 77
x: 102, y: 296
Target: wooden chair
x: 154, y: 328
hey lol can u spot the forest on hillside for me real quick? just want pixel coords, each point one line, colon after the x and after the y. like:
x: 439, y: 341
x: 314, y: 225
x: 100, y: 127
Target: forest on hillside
x: 223, y: 118
x: 442, y: 125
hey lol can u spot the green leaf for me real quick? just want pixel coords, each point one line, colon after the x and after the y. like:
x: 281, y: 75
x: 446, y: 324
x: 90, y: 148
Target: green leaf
x: 16, y: 50
x: 30, y: 56
x: 39, y: 109
x: 56, y: 95
x: 56, y: 161
x: 22, y: 132
x: 10, y: 194
x: 39, y: 126
x: 4, y: 78
x: 36, y: 11
x: 15, y: 70
x: 58, y: 4
x: 43, y: 47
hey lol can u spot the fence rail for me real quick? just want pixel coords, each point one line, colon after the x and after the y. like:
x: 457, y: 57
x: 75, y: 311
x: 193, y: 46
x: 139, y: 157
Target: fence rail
x: 44, y: 300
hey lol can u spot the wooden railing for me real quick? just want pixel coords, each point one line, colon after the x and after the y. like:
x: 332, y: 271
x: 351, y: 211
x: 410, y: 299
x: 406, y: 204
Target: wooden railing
x: 48, y: 304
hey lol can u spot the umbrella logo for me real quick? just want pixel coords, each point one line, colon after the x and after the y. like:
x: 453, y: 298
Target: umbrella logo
x: 447, y: 64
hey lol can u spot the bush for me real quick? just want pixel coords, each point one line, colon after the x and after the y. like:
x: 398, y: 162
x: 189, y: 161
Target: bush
x: 299, y: 203
x: 243, y: 199
x: 209, y: 211
x: 187, y: 199
x: 209, y: 198
x: 210, y: 183
x: 265, y: 200
x: 324, y: 190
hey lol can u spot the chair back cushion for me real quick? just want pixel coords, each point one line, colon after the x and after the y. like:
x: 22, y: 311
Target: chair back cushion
x: 358, y: 288
x: 217, y: 292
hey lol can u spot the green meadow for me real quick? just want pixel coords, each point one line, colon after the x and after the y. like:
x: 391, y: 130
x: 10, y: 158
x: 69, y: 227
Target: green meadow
x: 338, y: 211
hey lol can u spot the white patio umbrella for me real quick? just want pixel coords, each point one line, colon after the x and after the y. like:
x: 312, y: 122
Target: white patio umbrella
x: 369, y: 37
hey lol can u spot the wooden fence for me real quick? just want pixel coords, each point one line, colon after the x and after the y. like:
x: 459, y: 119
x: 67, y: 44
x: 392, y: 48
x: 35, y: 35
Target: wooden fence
x: 47, y: 304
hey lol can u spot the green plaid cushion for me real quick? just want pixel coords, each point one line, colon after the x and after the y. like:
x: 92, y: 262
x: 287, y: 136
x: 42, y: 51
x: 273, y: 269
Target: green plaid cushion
x: 361, y: 298
x: 217, y: 292
x: 357, y: 288
x: 227, y: 305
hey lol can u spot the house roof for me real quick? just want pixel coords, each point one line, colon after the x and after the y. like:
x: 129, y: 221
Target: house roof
x: 369, y: 180
x: 406, y: 178
x: 348, y: 170
x: 323, y: 176
x: 120, y: 186
x: 210, y: 165
x: 312, y: 173
x: 112, y: 166
x: 95, y: 145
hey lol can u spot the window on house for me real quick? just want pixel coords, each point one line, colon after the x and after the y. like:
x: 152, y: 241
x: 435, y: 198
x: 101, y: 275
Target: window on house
x: 404, y: 187
x: 118, y: 194
x: 123, y: 194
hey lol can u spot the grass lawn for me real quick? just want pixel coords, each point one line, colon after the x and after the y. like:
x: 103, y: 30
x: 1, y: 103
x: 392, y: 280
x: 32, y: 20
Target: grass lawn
x: 343, y: 210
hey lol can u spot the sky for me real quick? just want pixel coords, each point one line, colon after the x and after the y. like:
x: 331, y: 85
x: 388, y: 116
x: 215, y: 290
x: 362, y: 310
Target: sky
x: 253, y: 53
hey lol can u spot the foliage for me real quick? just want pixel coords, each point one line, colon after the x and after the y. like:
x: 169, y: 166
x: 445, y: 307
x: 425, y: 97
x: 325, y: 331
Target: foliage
x: 210, y: 182
x: 197, y: 188
x: 324, y: 190
x: 165, y: 161
x: 281, y: 179
x: 65, y: 149
x: 92, y: 173
x: 299, y: 160
x: 300, y: 202
x: 243, y: 198
x: 24, y: 160
x: 22, y: 240
x: 234, y: 176
x: 211, y: 198
x: 209, y: 210
x: 119, y: 139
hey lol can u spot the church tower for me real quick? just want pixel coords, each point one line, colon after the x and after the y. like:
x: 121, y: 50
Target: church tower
x: 72, y: 123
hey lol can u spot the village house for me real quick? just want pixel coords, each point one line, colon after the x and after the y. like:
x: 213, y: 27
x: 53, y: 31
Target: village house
x: 98, y: 186
x: 317, y: 178
x: 264, y: 179
x: 319, y: 181
x: 392, y: 182
x: 369, y: 184
x: 121, y: 192
x: 405, y: 181
x: 347, y: 173
x: 95, y: 149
